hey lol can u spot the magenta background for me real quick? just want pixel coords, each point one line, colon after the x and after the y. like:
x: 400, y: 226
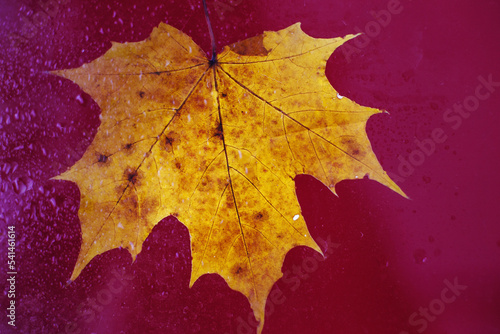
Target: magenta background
x: 394, y: 253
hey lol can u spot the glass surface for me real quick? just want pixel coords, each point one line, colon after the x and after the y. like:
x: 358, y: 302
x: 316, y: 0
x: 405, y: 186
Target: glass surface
x: 428, y: 264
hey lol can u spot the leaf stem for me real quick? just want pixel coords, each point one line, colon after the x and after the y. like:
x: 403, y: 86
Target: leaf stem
x: 212, y: 38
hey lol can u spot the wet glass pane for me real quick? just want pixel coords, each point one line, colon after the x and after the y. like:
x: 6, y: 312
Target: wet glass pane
x: 423, y: 264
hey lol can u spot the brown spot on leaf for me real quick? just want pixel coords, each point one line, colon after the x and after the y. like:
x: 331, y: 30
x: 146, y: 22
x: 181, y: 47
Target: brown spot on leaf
x: 141, y: 94
x: 239, y: 270
x: 223, y: 94
x: 230, y: 203
x: 134, y: 204
x: 219, y: 132
x: 131, y: 175
x: 178, y: 165
x: 352, y: 147
x: 260, y: 216
x: 171, y: 139
x: 102, y: 158
x: 222, y: 184
x: 128, y: 146
x: 251, y: 47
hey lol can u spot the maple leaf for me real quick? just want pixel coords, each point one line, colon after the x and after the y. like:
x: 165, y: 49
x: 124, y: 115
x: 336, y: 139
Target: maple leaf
x: 216, y: 144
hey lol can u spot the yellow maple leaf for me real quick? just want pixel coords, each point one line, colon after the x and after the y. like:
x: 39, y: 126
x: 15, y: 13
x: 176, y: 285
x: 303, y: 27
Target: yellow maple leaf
x: 217, y: 144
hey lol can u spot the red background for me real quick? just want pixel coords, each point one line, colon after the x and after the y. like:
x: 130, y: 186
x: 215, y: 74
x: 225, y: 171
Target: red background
x: 393, y: 253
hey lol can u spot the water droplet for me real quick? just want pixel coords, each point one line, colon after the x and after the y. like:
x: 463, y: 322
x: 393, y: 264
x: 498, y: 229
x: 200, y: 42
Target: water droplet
x: 420, y: 256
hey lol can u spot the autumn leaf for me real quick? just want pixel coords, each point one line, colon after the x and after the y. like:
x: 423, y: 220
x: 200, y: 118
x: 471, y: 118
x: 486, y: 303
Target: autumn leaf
x: 216, y: 144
